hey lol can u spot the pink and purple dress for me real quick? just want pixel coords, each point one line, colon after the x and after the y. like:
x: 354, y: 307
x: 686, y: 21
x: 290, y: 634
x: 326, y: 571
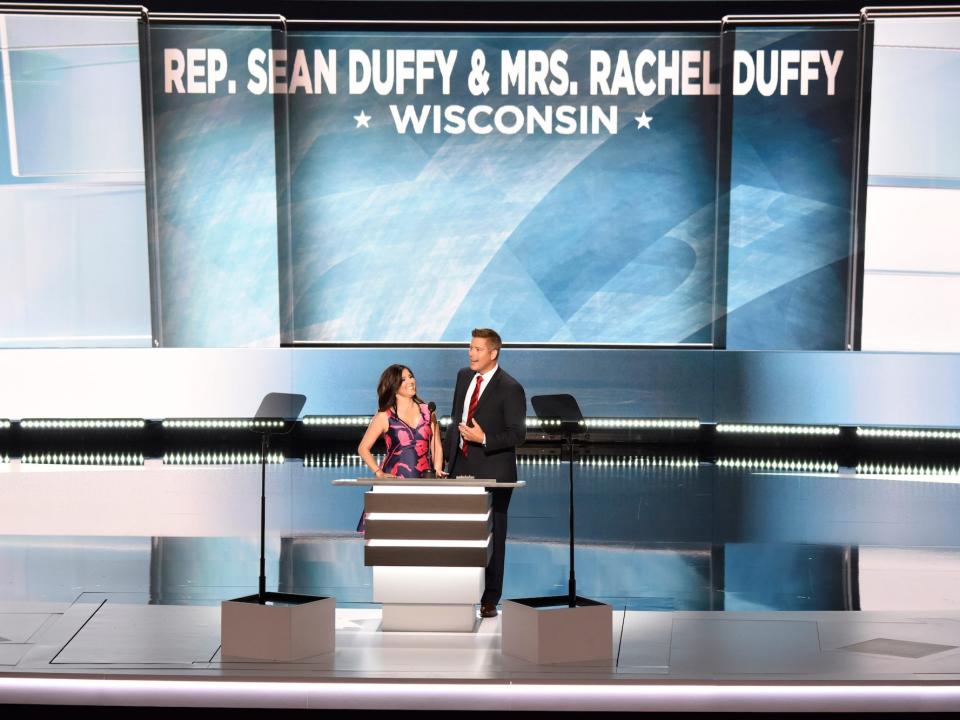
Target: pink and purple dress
x: 408, y: 448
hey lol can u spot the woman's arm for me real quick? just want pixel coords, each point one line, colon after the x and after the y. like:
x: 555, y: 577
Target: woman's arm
x: 436, y: 446
x: 377, y: 427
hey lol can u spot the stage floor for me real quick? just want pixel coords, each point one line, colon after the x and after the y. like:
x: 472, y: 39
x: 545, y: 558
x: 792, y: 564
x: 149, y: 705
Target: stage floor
x: 104, y: 651
x: 781, y: 553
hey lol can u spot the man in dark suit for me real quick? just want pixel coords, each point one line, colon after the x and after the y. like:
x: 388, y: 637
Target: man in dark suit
x: 490, y: 408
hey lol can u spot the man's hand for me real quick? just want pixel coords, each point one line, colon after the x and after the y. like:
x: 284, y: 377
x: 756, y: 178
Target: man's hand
x: 472, y: 433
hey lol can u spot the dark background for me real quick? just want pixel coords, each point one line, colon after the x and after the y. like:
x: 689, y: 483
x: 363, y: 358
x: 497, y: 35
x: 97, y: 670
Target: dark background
x: 576, y: 10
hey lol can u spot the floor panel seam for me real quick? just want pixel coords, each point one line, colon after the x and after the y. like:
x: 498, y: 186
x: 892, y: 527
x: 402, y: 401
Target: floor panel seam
x: 54, y: 658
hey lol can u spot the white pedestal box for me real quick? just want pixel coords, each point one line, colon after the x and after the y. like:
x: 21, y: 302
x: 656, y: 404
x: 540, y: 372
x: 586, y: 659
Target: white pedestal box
x: 544, y: 632
x: 282, y: 630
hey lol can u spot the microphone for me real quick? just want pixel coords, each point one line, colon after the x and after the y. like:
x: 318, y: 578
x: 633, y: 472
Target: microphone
x: 430, y: 472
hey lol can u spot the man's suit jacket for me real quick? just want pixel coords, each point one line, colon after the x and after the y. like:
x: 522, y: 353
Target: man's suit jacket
x: 502, y: 413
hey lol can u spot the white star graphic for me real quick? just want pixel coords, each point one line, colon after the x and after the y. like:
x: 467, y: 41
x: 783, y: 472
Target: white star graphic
x: 643, y: 120
x: 363, y: 120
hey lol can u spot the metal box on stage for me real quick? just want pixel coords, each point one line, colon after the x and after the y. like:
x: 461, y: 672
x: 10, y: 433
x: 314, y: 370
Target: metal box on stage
x: 284, y: 629
x: 543, y: 631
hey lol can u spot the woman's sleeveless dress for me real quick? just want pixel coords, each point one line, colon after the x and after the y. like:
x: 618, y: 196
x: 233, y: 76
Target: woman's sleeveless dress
x: 408, y: 448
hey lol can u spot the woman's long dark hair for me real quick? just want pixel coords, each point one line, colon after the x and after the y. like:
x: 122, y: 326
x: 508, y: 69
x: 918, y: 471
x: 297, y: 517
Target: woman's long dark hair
x: 390, y: 381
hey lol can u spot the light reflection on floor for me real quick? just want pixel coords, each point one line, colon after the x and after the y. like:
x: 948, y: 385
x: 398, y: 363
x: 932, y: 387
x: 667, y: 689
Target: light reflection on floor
x: 650, y: 537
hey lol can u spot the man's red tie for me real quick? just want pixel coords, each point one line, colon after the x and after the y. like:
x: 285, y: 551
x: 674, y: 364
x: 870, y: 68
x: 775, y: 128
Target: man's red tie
x: 474, y: 399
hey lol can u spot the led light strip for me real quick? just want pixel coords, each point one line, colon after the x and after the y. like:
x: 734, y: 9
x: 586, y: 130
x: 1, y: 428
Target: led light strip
x: 4, y: 424
x: 772, y: 464
x: 619, y: 695
x: 81, y: 424
x: 429, y: 490
x: 538, y: 461
x: 83, y: 459
x: 615, y: 461
x: 220, y: 458
x: 537, y: 422
x: 338, y: 420
x: 640, y: 461
x: 778, y: 429
x: 647, y: 423
x: 333, y: 460
x: 908, y: 433
x: 219, y: 424
x: 457, y: 517
x: 430, y: 543
x: 887, y: 469
x: 655, y: 461
x: 532, y: 422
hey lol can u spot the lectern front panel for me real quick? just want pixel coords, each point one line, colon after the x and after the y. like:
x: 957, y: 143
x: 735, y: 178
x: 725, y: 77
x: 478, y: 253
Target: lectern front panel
x: 426, y: 555
x: 383, y: 526
x: 374, y: 502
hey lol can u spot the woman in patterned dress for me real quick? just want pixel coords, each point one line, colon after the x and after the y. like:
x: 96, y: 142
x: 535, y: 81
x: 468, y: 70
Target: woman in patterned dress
x: 409, y: 429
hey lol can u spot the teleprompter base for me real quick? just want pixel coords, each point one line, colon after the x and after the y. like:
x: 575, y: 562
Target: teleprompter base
x: 288, y: 627
x: 546, y: 630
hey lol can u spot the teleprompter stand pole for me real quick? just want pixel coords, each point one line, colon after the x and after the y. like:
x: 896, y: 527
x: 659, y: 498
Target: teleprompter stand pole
x: 559, y: 628
x: 572, y: 583
x: 277, y: 415
x: 275, y: 625
x: 262, y: 586
x: 563, y: 412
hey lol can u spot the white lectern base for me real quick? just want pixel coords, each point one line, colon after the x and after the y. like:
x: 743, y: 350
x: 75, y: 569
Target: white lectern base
x: 281, y: 631
x: 544, y: 633
x: 429, y: 618
x: 425, y: 599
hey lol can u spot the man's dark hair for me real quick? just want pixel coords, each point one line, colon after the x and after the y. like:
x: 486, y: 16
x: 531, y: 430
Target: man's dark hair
x: 491, y: 336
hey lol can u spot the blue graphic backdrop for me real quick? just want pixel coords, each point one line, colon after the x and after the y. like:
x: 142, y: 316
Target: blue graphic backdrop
x: 792, y: 162
x: 581, y: 238
x: 215, y: 259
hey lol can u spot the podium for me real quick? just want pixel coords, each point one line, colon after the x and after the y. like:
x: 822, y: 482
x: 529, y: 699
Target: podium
x: 428, y: 542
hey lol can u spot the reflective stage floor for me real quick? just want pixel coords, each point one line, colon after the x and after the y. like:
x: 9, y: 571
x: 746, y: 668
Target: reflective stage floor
x: 733, y: 588
x: 109, y: 651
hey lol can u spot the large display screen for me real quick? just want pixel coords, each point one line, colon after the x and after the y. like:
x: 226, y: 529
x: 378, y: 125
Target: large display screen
x: 307, y: 184
x: 558, y: 187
